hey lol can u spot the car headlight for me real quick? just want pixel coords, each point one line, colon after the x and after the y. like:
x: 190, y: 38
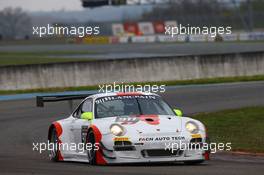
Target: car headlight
x: 117, y: 129
x: 192, y: 127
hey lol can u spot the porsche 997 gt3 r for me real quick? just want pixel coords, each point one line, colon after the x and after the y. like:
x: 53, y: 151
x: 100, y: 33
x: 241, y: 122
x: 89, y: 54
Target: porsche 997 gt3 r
x: 125, y: 128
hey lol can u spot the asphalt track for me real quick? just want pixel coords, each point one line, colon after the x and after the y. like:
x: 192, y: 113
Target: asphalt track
x: 21, y: 124
x: 117, y: 51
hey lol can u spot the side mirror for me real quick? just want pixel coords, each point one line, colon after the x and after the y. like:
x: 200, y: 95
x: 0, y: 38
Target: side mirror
x: 178, y: 112
x: 87, y: 116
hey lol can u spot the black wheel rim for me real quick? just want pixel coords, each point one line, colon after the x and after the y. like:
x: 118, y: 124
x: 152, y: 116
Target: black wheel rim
x: 54, y: 141
x: 91, y: 151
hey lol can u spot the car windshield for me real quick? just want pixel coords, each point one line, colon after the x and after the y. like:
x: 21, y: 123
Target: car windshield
x: 131, y: 105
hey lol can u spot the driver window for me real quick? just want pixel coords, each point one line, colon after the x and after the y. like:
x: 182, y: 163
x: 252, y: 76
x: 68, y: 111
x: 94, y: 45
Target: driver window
x: 87, y: 106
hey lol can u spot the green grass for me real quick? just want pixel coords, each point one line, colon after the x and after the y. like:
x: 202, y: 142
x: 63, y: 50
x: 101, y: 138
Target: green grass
x: 167, y: 83
x: 38, y: 41
x: 244, y: 128
x: 46, y: 53
x: 38, y: 60
x: 58, y: 89
x: 23, y: 58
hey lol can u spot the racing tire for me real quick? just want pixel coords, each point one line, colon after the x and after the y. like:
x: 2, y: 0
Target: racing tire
x: 91, y: 153
x: 54, y: 153
x: 195, y: 162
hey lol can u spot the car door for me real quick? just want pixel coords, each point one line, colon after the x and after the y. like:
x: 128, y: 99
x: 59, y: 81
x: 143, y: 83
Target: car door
x: 80, y: 126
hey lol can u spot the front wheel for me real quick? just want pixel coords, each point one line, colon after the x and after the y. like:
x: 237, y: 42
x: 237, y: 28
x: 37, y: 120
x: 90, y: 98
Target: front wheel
x: 91, y: 152
x: 54, y: 152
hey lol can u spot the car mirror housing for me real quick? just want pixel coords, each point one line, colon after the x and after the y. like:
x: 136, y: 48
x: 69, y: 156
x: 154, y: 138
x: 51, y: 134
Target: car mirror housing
x: 87, y: 116
x: 178, y: 112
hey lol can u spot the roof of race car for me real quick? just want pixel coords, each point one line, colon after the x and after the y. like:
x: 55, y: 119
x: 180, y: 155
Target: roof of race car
x: 120, y: 94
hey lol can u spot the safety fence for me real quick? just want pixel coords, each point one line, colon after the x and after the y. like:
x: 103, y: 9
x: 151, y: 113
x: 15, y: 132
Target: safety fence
x: 252, y: 36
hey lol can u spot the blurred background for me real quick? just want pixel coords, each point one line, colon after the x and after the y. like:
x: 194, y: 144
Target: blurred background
x: 129, y: 29
x: 118, y: 19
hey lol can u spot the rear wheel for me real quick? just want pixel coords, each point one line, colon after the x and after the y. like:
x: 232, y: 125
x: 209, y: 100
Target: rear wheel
x: 54, y: 152
x: 91, y: 153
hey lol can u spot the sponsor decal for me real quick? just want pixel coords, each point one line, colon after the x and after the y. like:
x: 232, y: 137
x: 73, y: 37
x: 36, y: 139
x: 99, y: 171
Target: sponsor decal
x: 128, y: 93
x: 159, y: 27
x: 121, y: 97
x: 127, y: 120
x: 121, y: 139
x: 133, y: 119
x: 161, y: 139
x: 196, y: 136
x: 131, y: 27
x: 84, y: 133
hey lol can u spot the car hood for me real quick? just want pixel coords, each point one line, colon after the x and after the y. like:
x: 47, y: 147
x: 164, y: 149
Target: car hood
x: 145, y: 124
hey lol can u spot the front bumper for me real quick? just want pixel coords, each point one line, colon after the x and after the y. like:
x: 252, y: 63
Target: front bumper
x: 144, y: 152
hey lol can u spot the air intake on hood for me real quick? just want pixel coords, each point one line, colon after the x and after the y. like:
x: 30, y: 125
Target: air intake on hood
x: 149, y: 119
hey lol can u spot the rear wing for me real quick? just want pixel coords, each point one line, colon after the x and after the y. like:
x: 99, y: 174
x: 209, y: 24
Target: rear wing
x: 40, y: 100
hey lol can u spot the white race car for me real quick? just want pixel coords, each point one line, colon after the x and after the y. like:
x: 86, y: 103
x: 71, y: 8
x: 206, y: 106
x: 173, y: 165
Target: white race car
x: 112, y: 128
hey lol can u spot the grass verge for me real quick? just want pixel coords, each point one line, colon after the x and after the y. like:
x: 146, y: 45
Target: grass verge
x: 23, y: 58
x: 38, y: 60
x: 167, y: 83
x: 242, y: 127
